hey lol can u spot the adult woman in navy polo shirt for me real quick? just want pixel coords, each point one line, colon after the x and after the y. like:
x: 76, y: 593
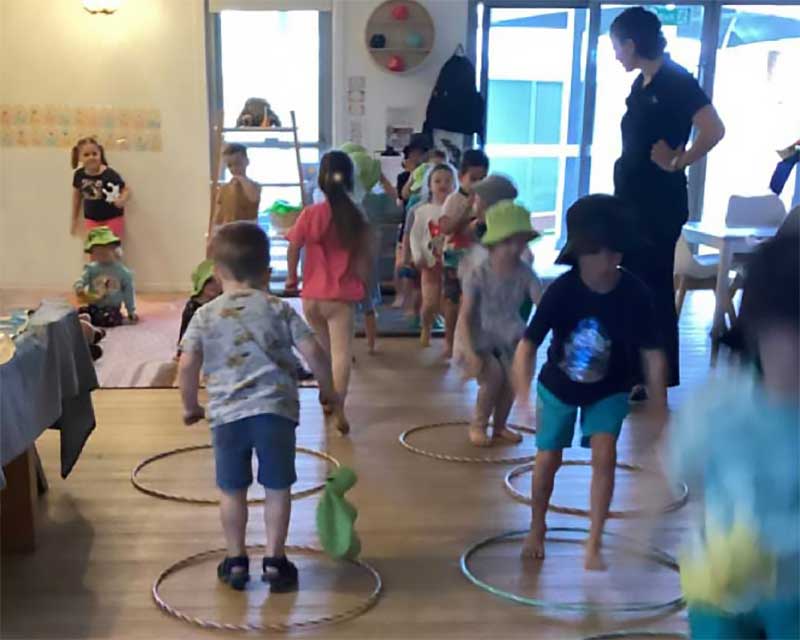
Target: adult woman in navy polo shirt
x: 664, y: 104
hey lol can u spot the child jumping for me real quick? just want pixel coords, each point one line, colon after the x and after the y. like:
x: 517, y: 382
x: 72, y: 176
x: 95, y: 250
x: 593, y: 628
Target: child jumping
x: 737, y: 445
x: 602, y: 320
x: 427, y: 244
x: 101, y: 190
x: 106, y: 283
x: 454, y: 223
x: 489, y: 321
x: 242, y: 341
x: 336, y: 236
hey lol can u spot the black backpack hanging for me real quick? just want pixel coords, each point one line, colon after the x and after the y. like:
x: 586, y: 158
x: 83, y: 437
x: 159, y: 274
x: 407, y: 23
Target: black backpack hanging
x: 455, y: 103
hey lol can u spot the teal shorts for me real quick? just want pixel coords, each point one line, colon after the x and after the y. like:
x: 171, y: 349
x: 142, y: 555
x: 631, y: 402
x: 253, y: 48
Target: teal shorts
x: 555, y: 420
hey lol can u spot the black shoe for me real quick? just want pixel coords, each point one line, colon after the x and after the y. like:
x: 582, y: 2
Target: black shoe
x: 638, y: 394
x: 280, y: 573
x: 236, y: 579
x: 96, y: 350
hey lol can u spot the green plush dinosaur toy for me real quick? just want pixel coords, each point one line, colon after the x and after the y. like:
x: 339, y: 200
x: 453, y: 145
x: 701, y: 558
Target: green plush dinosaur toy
x: 336, y: 517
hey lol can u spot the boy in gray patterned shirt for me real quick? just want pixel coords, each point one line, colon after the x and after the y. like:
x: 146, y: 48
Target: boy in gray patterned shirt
x: 243, y: 342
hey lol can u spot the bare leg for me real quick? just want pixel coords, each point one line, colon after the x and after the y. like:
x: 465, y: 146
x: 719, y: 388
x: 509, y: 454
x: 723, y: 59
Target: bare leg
x: 450, y: 318
x: 233, y: 514
x: 431, y: 297
x: 502, y: 407
x: 314, y: 316
x: 604, y: 460
x: 340, y: 322
x: 371, y: 329
x: 277, y: 511
x: 489, y: 381
x: 544, y: 474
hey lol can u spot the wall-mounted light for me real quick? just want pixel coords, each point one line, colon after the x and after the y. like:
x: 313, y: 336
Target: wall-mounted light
x: 106, y: 7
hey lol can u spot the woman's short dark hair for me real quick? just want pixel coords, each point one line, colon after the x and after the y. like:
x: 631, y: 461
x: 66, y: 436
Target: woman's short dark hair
x: 643, y: 28
x: 243, y: 249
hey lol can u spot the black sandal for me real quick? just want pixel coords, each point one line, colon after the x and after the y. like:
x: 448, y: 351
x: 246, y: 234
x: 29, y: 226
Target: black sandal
x: 280, y: 573
x: 236, y: 579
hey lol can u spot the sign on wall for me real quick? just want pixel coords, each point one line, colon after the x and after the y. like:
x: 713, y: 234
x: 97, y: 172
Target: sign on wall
x: 62, y: 126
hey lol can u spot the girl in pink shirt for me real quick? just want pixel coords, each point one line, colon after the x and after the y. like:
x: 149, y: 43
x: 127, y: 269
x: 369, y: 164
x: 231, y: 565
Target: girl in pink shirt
x: 335, y: 234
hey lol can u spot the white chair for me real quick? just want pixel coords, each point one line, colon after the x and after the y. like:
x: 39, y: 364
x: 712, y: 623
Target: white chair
x: 755, y: 211
x: 696, y: 273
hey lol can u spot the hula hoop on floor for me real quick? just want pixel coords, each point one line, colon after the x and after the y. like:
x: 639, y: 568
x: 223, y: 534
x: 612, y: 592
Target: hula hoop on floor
x: 633, y: 633
x: 517, y: 495
x: 333, y: 618
x: 403, y: 438
x: 163, y: 495
x: 656, y: 555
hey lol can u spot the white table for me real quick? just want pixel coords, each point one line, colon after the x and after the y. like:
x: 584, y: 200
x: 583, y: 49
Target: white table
x: 729, y: 241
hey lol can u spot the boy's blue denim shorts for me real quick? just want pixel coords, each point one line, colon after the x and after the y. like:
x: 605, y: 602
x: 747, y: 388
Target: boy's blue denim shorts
x: 555, y: 420
x: 273, y: 438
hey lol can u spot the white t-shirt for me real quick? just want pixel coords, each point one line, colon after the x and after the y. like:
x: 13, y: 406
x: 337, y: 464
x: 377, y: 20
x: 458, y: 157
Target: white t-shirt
x: 426, y: 241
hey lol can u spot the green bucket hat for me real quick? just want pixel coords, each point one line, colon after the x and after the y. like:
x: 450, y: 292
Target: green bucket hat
x: 506, y: 219
x: 100, y: 237
x: 367, y: 169
x: 202, y: 274
x: 351, y: 147
x: 336, y: 517
x: 418, y: 176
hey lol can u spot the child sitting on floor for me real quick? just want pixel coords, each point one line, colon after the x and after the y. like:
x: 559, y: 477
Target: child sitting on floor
x: 243, y: 342
x: 602, y: 319
x: 205, y: 287
x: 454, y: 223
x: 427, y: 243
x: 736, y: 444
x: 106, y: 283
x: 489, y: 322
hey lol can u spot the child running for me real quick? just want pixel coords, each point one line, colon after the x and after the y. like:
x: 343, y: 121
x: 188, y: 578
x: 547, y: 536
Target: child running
x: 427, y: 244
x: 243, y: 342
x: 454, y: 223
x: 737, y: 445
x: 489, y: 322
x: 602, y: 321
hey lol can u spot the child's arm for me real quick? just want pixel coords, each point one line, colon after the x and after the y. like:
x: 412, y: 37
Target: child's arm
x: 124, y: 196
x: 522, y: 370
x: 388, y: 187
x: 293, y: 260
x: 407, y: 187
x: 77, y: 200
x: 473, y: 362
x: 251, y: 189
x: 189, y: 368
x: 128, y: 295
x: 320, y: 363
x: 536, y: 289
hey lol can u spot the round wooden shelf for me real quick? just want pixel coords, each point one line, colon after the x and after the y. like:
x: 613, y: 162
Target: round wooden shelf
x: 396, y: 32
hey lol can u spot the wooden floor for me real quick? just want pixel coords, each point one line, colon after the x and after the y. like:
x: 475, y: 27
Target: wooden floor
x: 102, y: 543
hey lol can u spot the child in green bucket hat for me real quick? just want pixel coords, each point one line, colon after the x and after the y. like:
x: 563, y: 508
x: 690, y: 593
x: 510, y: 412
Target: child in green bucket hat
x: 106, y: 284
x: 205, y: 287
x: 489, y: 323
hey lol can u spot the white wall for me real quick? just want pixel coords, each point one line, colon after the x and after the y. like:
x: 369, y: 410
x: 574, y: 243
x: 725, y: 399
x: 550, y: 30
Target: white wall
x: 384, y: 89
x: 151, y: 53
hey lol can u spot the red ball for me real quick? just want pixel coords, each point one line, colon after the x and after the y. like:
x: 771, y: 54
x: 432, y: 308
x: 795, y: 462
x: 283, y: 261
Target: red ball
x: 396, y: 63
x: 400, y: 12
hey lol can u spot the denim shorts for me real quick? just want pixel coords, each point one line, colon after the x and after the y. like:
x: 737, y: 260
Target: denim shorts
x: 555, y: 420
x: 272, y: 437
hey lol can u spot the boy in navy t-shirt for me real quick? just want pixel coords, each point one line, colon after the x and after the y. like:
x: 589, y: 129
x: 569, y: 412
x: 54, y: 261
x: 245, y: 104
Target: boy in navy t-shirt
x: 602, y: 321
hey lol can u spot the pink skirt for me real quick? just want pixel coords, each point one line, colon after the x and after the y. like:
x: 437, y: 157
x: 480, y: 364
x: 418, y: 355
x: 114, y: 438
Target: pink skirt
x: 117, y: 225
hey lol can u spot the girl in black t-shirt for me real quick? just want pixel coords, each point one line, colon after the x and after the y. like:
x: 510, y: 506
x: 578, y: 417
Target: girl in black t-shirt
x: 100, y: 189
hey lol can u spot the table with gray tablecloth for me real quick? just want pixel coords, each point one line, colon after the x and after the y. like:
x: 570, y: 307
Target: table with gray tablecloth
x: 47, y: 384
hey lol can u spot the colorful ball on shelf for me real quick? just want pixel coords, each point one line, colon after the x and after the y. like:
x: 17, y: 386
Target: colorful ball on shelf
x: 414, y: 40
x: 396, y: 64
x: 400, y: 12
x: 378, y: 41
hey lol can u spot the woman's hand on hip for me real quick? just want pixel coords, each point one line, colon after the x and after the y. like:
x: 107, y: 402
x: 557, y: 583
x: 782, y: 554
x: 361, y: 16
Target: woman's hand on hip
x: 664, y: 156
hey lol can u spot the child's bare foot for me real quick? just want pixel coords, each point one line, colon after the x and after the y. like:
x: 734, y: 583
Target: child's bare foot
x: 479, y: 437
x: 507, y: 435
x: 533, y: 546
x: 593, y: 560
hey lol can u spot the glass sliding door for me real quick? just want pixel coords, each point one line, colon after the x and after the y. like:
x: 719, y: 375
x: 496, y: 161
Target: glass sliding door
x: 682, y: 26
x: 757, y: 93
x: 535, y: 90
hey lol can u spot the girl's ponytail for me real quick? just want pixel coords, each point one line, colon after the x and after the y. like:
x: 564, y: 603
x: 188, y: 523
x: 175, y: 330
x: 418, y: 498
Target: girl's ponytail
x: 336, y: 182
